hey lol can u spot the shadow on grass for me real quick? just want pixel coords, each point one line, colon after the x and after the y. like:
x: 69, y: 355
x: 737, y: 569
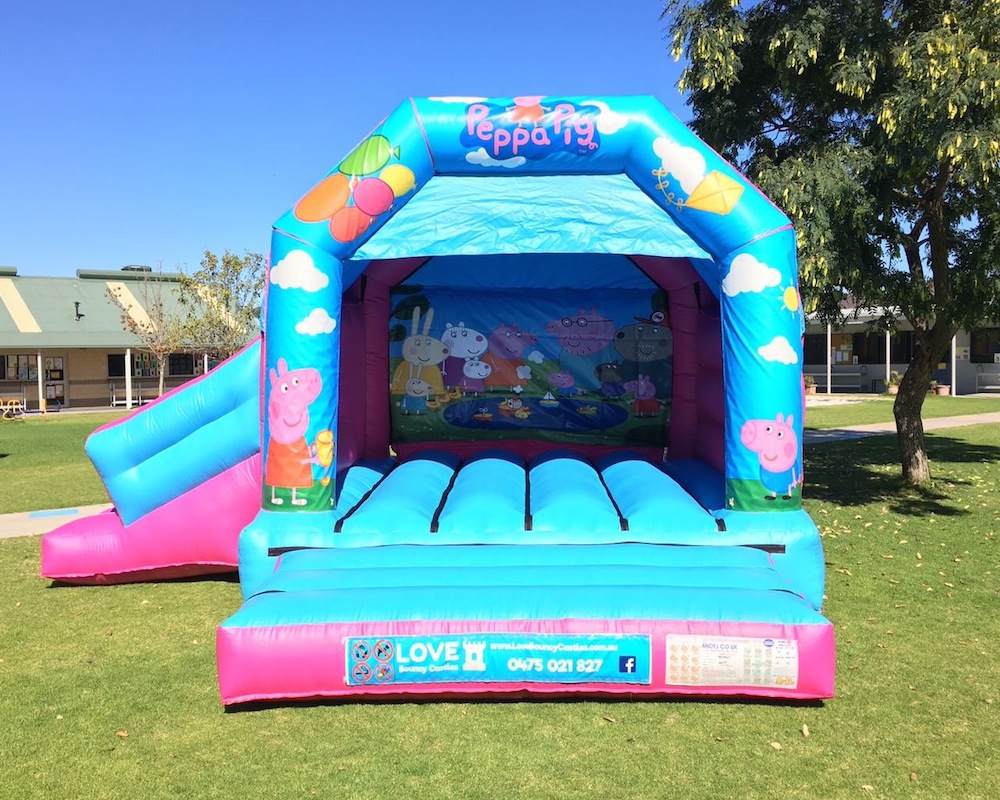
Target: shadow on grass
x: 514, y: 697
x: 861, y: 471
x: 128, y: 580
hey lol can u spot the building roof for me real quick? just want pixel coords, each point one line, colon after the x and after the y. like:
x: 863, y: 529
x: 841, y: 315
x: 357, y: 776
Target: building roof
x: 44, y: 313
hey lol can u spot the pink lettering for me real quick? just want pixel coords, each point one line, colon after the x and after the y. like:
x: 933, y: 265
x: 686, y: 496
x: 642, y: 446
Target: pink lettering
x: 475, y: 113
x: 500, y: 140
x: 521, y: 138
x: 585, y: 130
x: 540, y: 137
x: 484, y: 131
x: 562, y: 113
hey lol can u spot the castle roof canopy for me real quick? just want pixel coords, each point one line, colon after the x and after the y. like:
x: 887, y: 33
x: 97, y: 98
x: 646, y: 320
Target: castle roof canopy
x: 532, y: 214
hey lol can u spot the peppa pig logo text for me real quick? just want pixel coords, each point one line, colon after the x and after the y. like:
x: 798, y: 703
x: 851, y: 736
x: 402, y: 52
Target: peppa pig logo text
x: 531, y: 128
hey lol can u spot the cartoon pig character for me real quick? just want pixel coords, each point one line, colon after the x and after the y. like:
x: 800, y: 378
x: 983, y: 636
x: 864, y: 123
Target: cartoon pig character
x: 777, y: 447
x: 506, y: 346
x: 463, y: 343
x: 584, y: 341
x: 644, y: 392
x: 564, y: 382
x: 289, y: 457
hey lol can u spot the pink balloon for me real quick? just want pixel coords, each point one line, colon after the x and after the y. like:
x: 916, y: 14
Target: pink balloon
x: 373, y: 196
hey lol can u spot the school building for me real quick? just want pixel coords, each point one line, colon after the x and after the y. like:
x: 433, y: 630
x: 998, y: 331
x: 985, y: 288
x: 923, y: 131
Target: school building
x: 62, y: 343
x: 852, y: 357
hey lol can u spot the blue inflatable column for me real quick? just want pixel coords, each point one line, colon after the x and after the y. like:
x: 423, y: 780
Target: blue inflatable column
x: 762, y: 357
x: 301, y: 376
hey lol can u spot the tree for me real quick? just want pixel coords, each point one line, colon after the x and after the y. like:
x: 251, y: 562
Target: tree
x: 876, y: 126
x: 146, y: 313
x: 223, y: 300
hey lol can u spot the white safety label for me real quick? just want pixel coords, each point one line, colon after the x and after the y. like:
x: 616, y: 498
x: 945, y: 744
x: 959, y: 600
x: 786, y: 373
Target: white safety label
x: 732, y: 661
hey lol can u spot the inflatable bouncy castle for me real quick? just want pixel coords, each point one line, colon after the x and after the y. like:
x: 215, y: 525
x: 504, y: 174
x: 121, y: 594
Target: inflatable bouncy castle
x: 526, y: 418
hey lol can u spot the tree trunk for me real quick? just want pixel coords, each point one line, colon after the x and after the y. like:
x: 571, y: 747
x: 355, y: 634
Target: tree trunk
x: 931, y: 348
x: 910, y: 425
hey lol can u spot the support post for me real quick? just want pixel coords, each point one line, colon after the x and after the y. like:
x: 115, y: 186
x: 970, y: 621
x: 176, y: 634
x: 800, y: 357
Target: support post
x: 128, y: 378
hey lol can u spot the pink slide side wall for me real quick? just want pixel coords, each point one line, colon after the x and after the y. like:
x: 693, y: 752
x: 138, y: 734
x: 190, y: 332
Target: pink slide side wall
x: 193, y: 534
x: 310, y: 661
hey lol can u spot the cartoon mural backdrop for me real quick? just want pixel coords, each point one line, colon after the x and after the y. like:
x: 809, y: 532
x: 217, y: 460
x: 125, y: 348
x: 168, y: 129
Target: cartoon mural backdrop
x: 538, y: 364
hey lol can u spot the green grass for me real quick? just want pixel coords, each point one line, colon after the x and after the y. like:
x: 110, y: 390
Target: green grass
x: 43, y: 465
x: 879, y: 409
x: 110, y: 692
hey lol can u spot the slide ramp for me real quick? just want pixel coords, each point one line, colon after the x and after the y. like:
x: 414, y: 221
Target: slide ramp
x: 184, y: 475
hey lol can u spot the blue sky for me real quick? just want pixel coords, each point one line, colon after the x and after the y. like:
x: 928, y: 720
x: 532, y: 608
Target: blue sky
x: 134, y: 132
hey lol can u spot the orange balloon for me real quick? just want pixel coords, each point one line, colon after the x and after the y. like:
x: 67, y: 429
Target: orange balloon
x: 349, y: 223
x: 325, y: 199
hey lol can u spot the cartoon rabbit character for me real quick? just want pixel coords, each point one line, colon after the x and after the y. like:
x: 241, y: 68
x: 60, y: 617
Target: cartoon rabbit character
x: 422, y: 353
x: 289, y: 457
x: 417, y: 391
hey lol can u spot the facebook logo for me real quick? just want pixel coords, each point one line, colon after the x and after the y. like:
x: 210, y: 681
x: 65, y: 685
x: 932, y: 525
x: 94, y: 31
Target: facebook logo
x: 626, y: 664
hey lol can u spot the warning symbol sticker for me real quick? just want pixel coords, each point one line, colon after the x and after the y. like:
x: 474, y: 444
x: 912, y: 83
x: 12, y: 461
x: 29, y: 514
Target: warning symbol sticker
x: 362, y: 673
x: 384, y: 650
x: 361, y: 651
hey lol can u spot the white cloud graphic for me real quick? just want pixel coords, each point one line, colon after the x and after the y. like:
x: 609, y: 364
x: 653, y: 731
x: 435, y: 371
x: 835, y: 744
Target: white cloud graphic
x: 536, y: 357
x: 483, y: 159
x: 297, y: 271
x: 318, y: 321
x: 686, y: 164
x: 779, y: 349
x: 747, y: 274
x: 608, y: 121
x: 457, y: 99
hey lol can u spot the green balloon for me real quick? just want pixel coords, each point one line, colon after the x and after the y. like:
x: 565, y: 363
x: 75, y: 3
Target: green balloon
x: 369, y: 156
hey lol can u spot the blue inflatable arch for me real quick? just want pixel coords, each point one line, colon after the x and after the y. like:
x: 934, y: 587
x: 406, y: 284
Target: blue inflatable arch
x: 533, y: 364
x: 563, y: 192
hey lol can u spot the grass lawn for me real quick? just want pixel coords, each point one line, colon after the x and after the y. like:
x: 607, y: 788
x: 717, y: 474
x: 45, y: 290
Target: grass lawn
x: 43, y: 465
x: 879, y: 409
x: 110, y: 692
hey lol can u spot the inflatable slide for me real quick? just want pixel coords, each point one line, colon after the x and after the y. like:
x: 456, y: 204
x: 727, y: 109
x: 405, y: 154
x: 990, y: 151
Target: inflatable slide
x: 183, y: 474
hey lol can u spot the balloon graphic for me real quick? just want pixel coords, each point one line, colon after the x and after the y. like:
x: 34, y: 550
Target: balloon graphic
x: 369, y: 156
x: 349, y: 223
x: 325, y: 199
x: 401, y: 179
x: 373, y: 196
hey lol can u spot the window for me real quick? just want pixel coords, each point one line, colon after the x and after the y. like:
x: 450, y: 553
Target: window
x: 985, y: 346
x: 814, y: 348
x: 18, y: 367
x: 869, y: 347
x: 116, y: 365
x: 901, y: 347
x: 180, y: 364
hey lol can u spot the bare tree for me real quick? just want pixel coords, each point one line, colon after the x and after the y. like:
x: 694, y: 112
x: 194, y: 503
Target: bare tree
x: 146, y: 314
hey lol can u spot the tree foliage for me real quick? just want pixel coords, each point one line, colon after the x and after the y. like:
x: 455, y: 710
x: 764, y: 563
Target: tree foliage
x: 223, y: 300
x: 876, y: 127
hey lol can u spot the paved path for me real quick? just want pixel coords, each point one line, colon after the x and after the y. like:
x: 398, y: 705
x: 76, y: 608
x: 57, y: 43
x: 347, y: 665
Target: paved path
x: 34, y: 523
x: 886, y: 428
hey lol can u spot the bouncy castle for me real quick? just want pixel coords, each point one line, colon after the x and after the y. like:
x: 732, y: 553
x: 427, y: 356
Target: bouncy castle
x: 525, y: 419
